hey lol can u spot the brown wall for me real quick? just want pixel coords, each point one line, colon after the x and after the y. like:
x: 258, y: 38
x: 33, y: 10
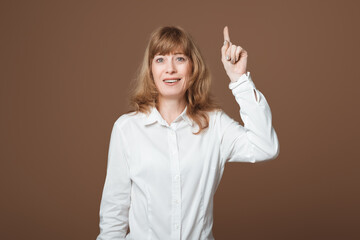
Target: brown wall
x: 65, y: 72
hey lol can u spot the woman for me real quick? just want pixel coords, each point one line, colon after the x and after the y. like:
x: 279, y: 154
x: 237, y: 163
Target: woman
x: 167, y: 156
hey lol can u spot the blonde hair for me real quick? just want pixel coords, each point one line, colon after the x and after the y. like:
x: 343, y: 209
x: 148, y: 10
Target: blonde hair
x: 199, y: 101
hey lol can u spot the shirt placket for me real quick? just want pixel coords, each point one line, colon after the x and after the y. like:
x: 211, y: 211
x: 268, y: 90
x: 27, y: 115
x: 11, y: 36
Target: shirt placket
x: 176, y: 185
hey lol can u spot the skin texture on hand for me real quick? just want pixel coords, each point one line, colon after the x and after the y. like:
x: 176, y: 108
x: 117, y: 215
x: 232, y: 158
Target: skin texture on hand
x: 233, y: 57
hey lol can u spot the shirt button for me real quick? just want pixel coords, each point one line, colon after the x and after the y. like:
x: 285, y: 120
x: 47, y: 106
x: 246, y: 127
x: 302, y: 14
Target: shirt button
x: 177, y: 226
x: 177, y: 177
x: 177, y: 201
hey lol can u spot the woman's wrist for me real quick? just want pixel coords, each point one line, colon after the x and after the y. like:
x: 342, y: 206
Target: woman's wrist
x: 235, y: 77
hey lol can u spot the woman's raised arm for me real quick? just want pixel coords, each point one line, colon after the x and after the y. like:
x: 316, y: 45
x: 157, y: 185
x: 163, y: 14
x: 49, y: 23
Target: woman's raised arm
x: 257, y: 139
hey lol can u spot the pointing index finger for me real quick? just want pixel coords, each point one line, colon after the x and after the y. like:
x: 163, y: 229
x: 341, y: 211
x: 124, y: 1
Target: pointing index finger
x: 226, y: 34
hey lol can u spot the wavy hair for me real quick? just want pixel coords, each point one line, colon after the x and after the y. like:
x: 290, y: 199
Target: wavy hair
x: 199, y: 100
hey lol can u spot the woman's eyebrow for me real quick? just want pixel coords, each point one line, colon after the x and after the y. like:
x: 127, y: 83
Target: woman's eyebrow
x: 176, y: 53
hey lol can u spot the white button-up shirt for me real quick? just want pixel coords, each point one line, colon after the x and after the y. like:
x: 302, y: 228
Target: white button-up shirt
x: 161, y: 178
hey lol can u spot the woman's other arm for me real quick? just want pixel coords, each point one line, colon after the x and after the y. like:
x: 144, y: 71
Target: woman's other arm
x: 115, y: 202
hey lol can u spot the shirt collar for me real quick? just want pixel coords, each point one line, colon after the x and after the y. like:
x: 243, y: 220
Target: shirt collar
x: 155, y: 116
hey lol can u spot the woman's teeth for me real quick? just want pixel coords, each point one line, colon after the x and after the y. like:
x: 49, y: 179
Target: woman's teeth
x: 171, y: 80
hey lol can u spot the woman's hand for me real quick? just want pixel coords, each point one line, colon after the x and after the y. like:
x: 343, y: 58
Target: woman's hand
x: 233, y: 57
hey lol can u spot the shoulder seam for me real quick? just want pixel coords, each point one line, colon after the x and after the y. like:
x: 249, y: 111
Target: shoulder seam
x: 123, y: 119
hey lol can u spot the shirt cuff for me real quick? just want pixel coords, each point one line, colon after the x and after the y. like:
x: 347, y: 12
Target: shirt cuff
x: 243, y: 84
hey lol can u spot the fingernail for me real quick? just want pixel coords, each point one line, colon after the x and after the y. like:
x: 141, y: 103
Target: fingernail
x: 224, y: 42
x: 227, y: 57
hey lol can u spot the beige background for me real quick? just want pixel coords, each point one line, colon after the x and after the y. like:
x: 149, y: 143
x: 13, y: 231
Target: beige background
x: 65, y: 71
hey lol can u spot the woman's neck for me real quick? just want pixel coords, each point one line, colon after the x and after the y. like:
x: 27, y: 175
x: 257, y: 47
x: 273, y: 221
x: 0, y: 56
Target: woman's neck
x: 170, y: 109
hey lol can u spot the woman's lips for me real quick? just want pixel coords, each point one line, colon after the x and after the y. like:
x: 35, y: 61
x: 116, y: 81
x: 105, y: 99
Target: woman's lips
x: 171, y: 81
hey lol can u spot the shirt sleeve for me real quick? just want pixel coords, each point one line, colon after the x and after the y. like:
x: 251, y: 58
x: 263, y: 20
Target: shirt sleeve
x: 115, y: 202
x: 257, y: 139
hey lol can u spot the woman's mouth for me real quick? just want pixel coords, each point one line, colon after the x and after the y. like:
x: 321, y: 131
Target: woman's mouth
x: 171, y: 81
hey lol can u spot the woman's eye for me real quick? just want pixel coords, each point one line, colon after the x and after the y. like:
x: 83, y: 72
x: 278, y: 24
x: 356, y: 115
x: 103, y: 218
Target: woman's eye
x: 157, y: 60
x: 181, y: 59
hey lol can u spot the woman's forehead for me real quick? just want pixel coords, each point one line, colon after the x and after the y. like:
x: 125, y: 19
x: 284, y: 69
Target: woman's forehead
x: 170, y: 53
x: 175, y: 51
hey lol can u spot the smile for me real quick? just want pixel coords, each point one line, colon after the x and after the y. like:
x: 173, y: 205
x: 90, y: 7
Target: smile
x: 172, y: 80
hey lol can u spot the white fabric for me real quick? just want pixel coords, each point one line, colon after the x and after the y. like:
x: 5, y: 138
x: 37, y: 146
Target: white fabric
x: 161, y: 179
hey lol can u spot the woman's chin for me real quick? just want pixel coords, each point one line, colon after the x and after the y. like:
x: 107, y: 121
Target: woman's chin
x: 172, y: 95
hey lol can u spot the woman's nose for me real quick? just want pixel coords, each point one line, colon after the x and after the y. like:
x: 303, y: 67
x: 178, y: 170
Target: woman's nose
x: 171, y: 66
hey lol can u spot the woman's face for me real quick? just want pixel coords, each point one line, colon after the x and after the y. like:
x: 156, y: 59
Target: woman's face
x: 171, y: 74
